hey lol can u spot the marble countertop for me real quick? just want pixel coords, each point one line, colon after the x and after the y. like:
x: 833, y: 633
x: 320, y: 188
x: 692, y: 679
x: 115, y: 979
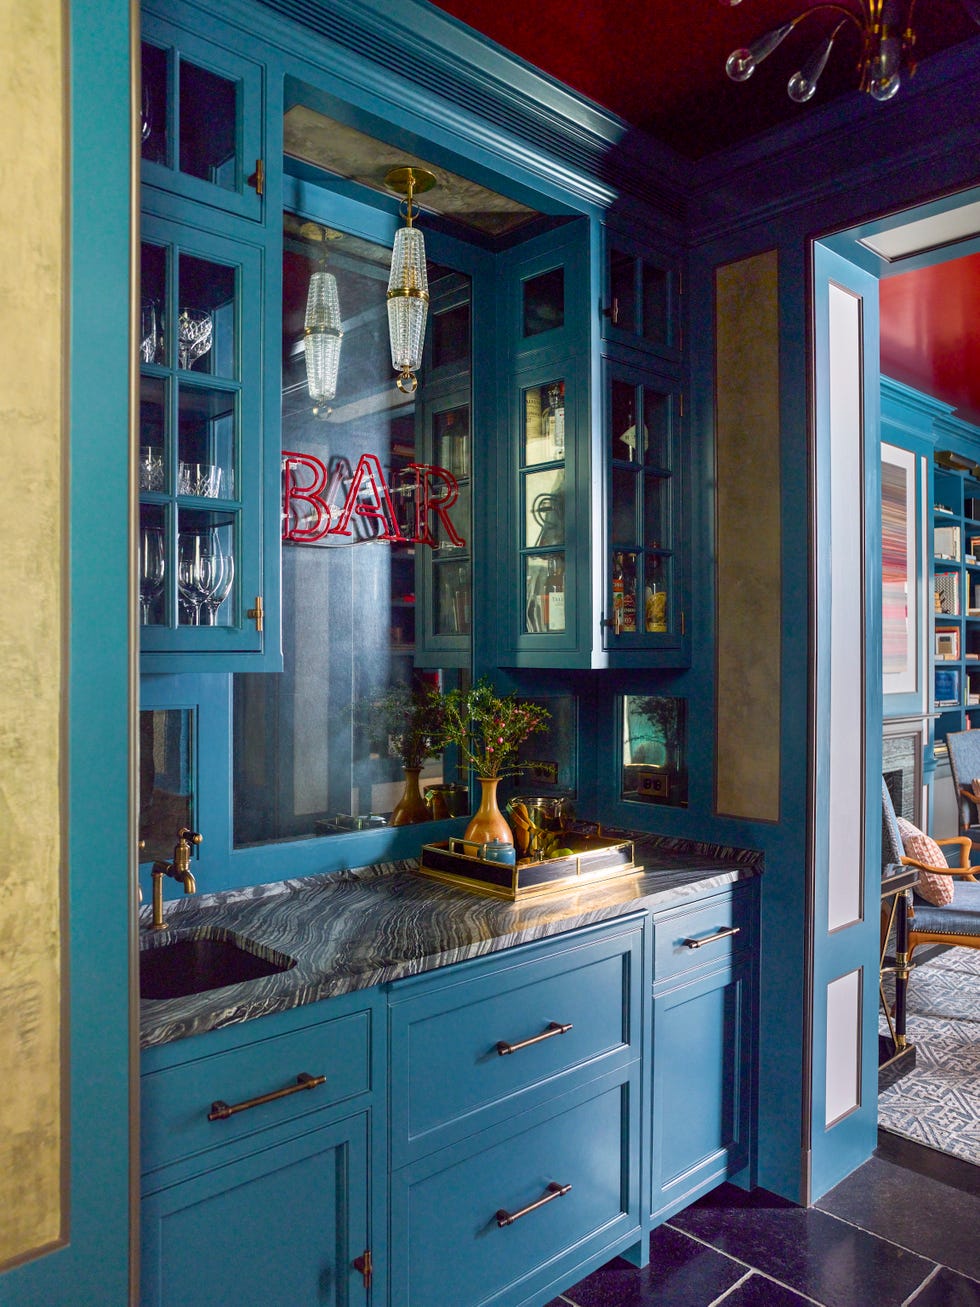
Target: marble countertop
x: 354, y: 929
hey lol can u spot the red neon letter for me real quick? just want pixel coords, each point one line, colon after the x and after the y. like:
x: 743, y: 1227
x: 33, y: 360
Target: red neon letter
x: 369, y: 471
x: 312, y: 522
x: 425, y: 502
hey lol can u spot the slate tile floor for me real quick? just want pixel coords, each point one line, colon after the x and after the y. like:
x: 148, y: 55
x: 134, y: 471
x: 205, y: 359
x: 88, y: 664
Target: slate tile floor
x: 904, y: 1228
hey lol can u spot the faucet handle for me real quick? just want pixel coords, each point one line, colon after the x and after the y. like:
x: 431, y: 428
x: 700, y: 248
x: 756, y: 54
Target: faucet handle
x: 187, y: 836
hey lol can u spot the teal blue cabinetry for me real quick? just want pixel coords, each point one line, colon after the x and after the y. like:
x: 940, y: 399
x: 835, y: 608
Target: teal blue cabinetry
x: 702, y: 1053
x: 207, y: 458
x: 955, y: 674
x: 202, y: 106
x: 270, y: 1203
x: 515, y: 1128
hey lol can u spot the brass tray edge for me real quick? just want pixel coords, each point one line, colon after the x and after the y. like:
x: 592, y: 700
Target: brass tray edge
x: 473, y: 886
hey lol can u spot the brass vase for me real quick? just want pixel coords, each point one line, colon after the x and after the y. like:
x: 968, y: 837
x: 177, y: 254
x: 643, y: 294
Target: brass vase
x: 488, y: 822
x: 411, y: 807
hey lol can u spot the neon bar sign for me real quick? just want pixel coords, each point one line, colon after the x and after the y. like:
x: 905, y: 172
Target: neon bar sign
x: 320, y: 501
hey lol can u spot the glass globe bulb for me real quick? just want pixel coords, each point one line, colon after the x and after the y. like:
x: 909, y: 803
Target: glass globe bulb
x: 740, y: 65
x: 884, y: 88
x: 800, y: 89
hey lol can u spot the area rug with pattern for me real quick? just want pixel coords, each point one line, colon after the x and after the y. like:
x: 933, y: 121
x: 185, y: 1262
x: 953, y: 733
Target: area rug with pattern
x: 938, y: 1101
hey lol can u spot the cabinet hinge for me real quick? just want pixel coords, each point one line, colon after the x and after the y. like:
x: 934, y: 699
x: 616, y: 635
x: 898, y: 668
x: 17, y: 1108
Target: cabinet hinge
x: 257, y: 614
x: 365, y: 1265
x: 257, y: 178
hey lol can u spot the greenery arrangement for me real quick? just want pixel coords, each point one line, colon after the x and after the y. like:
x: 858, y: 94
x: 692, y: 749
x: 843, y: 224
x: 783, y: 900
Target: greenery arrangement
x: 488, y: 728
x: 410, y: 720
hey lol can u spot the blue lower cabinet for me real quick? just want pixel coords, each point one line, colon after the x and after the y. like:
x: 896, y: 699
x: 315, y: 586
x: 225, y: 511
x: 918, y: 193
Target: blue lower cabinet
x: 515, y: 1217
x: 701, y: 1059
x: 283, y: 1225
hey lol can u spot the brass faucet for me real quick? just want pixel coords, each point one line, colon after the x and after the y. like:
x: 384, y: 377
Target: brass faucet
x: 179, y: 869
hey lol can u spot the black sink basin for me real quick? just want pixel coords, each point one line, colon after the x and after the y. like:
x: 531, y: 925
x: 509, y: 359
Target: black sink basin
x: 180, y: 965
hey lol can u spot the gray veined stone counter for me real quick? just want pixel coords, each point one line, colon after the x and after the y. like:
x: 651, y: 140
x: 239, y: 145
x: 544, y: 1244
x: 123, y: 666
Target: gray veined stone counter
x: 353, y: 929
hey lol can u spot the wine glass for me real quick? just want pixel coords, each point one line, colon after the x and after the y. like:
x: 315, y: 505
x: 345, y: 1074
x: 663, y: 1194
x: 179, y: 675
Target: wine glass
x: 194, y: 332
x: 189, y: 573
x: 151, y: 569
x: 216, y: 577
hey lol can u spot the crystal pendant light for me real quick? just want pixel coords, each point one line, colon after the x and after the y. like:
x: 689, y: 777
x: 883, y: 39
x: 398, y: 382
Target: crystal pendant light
x: 322, y: 331
x: 408, y: 284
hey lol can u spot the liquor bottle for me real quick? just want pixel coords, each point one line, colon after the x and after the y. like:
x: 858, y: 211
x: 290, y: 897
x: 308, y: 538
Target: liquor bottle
x: 555, y: 428
x: 554, y: 594
x: 617, y: 594
x: 629, y: 593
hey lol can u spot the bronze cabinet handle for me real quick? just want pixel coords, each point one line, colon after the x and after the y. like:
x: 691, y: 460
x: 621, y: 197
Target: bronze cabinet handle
x: 551, y: 1029
x: 710, y: 939
x: 220, y: 1111
x: 553, y: 1191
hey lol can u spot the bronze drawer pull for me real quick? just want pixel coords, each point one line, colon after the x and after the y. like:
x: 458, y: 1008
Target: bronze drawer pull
x: 221, y: 1111
x: 710, y: 939
x: 550, y: 1194
x: 551, y: 1029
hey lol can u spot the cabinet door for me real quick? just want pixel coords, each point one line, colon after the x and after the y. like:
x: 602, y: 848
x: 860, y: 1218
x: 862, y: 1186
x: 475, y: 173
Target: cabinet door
x: 201, y: 561
x: 646, y: 552
x: 283, y: 1225
x: 641, y: 297
x: 701, y: 1083
x: 201, y: 119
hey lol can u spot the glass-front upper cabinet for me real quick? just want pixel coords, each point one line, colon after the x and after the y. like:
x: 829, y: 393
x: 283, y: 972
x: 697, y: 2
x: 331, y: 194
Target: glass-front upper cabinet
x: 200, y: 563
x: 641, y: 297
x: 200, y: 119
x: 444, y: 573
x: 645, y: 585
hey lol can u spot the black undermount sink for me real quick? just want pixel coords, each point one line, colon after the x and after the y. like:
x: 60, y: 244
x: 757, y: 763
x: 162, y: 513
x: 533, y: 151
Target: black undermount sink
x: 179, y: 965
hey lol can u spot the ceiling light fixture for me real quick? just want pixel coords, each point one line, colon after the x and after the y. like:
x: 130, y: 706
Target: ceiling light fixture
x: 322, y: 332
x: 408, y: 284
x: 887, y: 44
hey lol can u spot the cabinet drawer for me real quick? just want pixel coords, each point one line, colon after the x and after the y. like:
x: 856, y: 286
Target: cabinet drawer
x: 480, y: 1221
x: 178, y: 1100
x: 465, y: 1053
x: 703, y: 933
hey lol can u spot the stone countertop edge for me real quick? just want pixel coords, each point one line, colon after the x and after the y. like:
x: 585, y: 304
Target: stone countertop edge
x: 351, y: 930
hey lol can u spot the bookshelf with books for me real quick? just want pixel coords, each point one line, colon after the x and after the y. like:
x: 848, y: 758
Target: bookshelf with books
x: 955, y: 671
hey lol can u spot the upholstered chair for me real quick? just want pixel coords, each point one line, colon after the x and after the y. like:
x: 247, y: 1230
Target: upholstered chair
x: 964, y: 763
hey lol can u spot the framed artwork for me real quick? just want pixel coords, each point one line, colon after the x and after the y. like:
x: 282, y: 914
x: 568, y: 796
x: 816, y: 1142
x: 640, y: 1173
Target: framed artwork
x: 900, y: 606
x: 948, y: 642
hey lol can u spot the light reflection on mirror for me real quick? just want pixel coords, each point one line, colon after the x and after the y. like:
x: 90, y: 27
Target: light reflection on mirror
x: 166, y: 779
x: 359, y: 613
x: 655, y: 749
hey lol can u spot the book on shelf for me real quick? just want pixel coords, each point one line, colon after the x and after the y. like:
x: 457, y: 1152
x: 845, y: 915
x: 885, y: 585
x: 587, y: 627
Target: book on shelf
x: 947, y: 593
x: 946, y: 542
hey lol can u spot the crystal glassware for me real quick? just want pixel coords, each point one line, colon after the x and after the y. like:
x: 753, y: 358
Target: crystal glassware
x: 151, y: 467
x: 195, y: 329
x: 151, y: 339
x: 216, y: 576
x: 151, y: 570
x: 200, y: 479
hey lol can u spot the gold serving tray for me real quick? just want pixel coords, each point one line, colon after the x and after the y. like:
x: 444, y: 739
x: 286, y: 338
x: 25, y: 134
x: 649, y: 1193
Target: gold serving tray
x: 593, y: 859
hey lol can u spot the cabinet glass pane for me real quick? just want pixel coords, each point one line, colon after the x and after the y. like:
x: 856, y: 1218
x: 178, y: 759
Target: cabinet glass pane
x: 452, y: 598
x: 656, y: 304
x: 153, y: 303
x: 206, y: 317
x: 655, y: 749
x: 656, y: 512
x: 624, y: 592
x: 153, y: 462
x: 451, y: 432
x: 623, y: 406
x: 451, y: 338
x: 544, y: 423
x: 206, y: 443
x: 544, y: 302
x: 623, y: 514
x: 622, y: 289
x: 152, y: 564
x: 154, y: 129
x: 544, y: 522
x: 656, y: 428
x: 544, y: 588
x: 208, y: 125
x: 166, y: 779
x: 657, y: 592
x: 206, y: 549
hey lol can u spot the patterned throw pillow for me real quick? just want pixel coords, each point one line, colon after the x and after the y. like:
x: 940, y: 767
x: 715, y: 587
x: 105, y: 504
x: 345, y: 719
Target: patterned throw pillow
x: 937, y: 890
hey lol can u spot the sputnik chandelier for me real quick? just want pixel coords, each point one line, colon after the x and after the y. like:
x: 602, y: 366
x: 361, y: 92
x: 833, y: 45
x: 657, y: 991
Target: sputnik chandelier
x: 887, y: 45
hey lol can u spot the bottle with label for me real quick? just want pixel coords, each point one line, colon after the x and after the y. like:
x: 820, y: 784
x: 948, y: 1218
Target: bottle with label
x: 554, y: 594
x: 556, y: 419
x: 617, y: 594
x: 629, y: 593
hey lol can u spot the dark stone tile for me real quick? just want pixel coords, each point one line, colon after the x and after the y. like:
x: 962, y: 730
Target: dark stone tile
x: 757, y: 1291
x: 807, y: 1249
x: 947, y: 1289
x: 681, y: 1273
x: 913, y: 1210
x: 957, y: 1172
